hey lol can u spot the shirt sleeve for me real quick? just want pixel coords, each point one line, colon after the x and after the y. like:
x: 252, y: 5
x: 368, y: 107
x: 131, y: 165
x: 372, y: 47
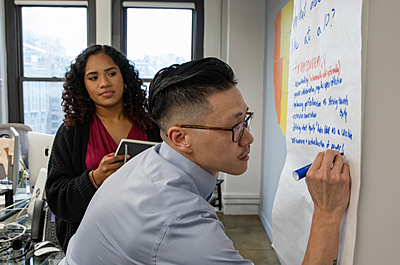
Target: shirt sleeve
x: 197, y: 237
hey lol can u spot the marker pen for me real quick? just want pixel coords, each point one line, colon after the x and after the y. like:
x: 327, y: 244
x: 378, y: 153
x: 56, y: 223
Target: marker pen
x: 301, y: 172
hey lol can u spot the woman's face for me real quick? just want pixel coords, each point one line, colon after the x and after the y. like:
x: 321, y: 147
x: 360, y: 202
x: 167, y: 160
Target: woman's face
x: 104, y: 81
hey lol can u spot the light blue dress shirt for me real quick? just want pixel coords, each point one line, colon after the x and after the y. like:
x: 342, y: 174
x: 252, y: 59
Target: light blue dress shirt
x: 153, y: 211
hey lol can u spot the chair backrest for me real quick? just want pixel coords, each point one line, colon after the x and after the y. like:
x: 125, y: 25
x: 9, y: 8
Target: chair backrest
x: 23, y: 130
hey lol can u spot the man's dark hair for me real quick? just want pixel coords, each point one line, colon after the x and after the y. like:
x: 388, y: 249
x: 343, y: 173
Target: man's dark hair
x: 182, y: 91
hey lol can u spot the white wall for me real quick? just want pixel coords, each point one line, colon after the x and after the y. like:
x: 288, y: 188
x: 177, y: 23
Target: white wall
x: 212, y: 28
x: 378, y: 225
x: 103, y: 22
x: 236, y: 34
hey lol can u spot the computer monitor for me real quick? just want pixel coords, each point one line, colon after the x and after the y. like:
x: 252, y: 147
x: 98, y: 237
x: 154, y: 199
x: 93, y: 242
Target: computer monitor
x: 39, y: 148
x: 13, y: 159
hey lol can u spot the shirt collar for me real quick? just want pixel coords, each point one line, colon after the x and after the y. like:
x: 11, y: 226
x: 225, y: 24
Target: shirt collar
x: 204, y: 181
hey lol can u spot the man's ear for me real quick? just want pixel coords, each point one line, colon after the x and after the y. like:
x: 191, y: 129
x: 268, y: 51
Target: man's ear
x: 179, y: 139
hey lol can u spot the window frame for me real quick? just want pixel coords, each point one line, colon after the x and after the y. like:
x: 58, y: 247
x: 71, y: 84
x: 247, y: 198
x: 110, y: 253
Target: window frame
x: 119, y: 25
x: 13, y: 33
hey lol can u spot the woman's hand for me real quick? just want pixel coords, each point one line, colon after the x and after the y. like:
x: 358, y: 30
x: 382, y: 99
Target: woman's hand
x: 108, y: 165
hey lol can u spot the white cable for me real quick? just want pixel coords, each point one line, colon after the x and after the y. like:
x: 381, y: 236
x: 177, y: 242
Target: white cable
x: 22, y: 209
x: 12, y: 205
x: 32, y: 199
x: 17, y: 236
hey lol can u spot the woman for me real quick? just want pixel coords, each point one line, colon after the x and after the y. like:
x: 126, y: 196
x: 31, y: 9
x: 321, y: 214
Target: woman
x: 103, y: 102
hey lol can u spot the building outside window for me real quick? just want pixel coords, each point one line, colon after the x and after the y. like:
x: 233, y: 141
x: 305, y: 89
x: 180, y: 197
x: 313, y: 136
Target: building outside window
x: 47, y: 51
x: 157, y: 34
x: 42, y: 39
x: 165, y: 41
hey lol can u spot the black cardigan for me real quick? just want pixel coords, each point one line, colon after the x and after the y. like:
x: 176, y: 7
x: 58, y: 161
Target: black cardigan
x: 68, y: 188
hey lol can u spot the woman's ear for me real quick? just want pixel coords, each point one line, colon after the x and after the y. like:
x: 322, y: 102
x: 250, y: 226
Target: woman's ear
x: 179, y: 139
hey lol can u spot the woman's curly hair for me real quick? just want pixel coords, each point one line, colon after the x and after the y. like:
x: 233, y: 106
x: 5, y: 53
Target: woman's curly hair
x: 76, y: 101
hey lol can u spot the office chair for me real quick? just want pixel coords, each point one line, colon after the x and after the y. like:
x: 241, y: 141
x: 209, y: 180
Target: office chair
x: 23, y: 130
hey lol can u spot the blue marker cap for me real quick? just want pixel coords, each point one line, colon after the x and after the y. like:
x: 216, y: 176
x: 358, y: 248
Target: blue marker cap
x: 301, y: 172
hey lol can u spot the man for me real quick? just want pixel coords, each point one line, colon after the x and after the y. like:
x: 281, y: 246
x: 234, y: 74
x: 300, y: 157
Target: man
x: 154, y: 209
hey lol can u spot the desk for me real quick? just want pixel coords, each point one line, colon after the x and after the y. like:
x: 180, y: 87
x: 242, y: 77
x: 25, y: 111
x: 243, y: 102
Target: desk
x: 10, y: 256
x: 52, y: 259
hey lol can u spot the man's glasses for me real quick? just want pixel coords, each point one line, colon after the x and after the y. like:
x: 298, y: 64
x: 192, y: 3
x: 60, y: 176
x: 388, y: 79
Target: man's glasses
x: 237, y: 130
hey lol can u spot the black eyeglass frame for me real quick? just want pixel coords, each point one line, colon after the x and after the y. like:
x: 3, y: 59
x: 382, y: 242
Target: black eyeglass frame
x: 246, y: 123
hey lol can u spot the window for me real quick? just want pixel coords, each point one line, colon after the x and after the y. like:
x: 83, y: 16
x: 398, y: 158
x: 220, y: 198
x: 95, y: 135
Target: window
x: 167, y: 40
x: 50, y: 37
x: 156, y: 34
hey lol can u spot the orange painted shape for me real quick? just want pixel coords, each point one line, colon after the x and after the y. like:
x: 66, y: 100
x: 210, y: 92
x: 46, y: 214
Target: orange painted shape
x: 278, y: 66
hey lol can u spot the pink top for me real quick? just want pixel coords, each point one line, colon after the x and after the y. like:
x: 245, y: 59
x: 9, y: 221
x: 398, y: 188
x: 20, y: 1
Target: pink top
x: 101, y: 143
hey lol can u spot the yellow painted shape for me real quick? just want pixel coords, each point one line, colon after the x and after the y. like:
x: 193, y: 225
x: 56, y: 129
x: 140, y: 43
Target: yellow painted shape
x: 286, y: 26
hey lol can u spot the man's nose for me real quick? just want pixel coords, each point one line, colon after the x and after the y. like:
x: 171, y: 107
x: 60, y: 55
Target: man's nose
x: 247, y: 138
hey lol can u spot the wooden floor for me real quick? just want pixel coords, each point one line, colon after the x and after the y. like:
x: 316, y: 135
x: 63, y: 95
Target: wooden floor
x: 249, y: 238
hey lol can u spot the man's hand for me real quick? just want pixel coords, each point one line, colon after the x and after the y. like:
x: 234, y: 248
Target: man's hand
x: 328, y: 181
